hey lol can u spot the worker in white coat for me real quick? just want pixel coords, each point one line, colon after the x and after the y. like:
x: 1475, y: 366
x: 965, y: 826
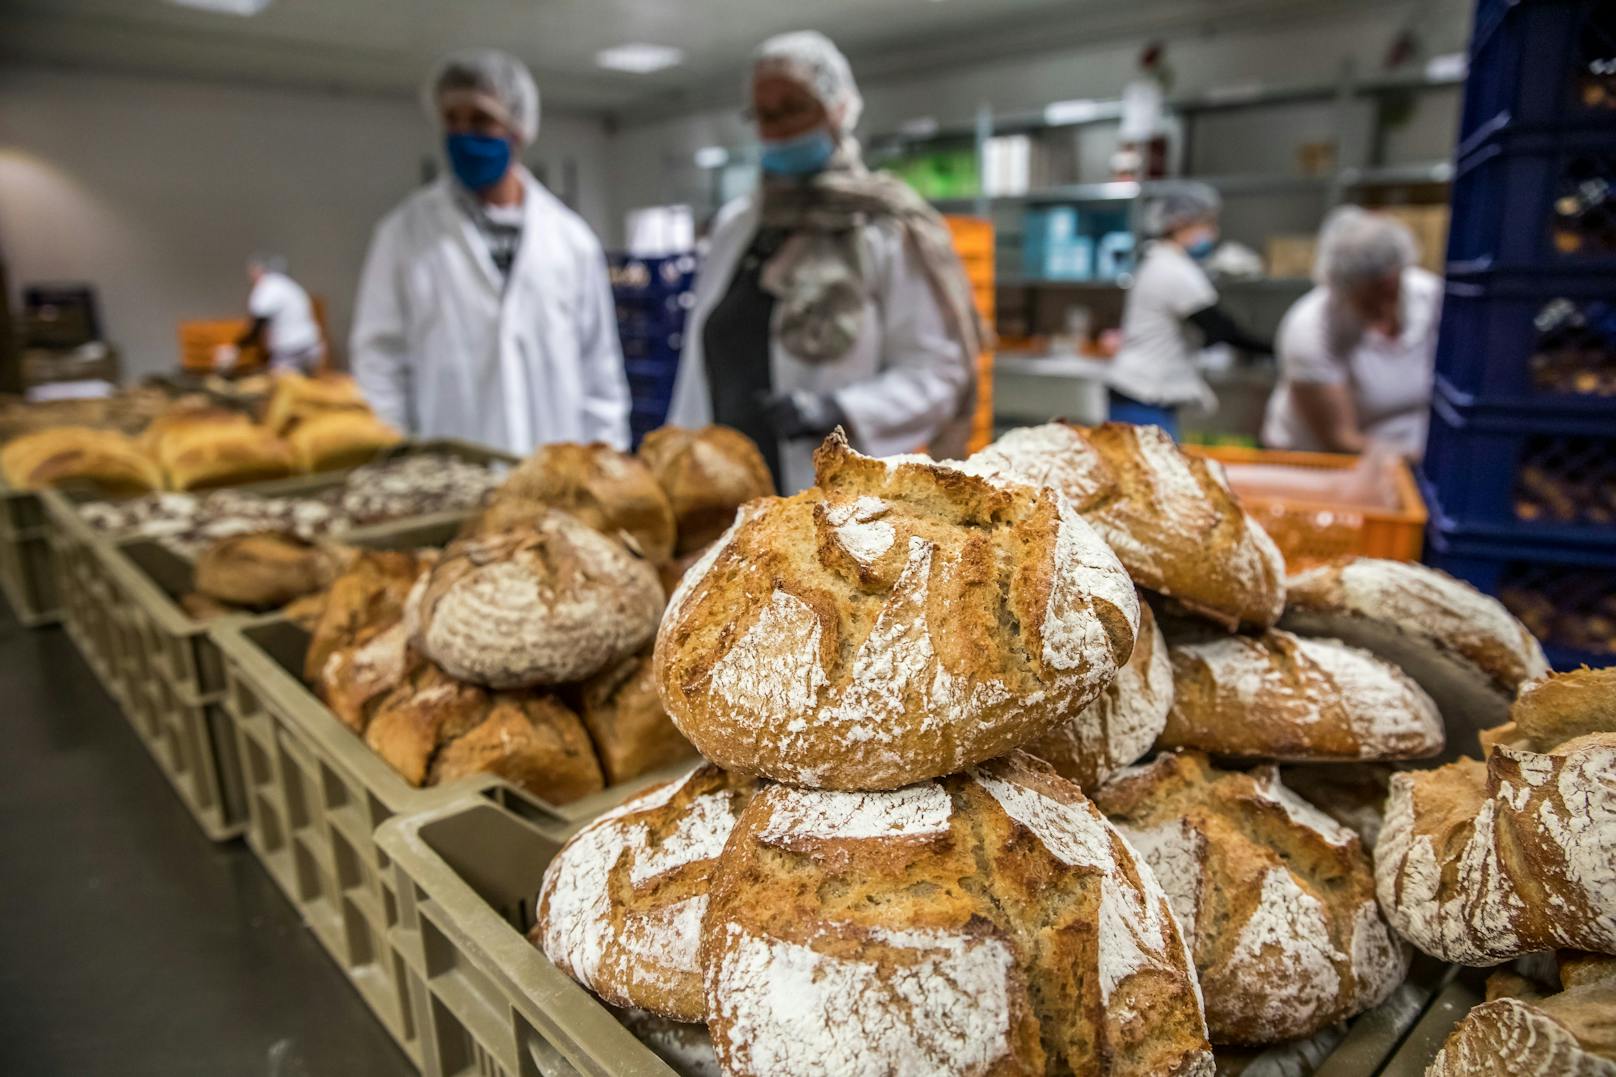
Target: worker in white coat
x: 833, y: 296
x: 484, y: 309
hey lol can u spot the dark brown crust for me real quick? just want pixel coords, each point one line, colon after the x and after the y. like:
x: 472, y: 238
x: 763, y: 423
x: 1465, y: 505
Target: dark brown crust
x: 610, y: 491
x: 707, y: 475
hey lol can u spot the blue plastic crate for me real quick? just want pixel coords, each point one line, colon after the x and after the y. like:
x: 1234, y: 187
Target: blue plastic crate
x: 1530, y: 344
x: 1566, y: 596
x: 1537, y: 479
x: 657, y: 366
x: 663, y: 347
x: 1536, y: 62
x: 1535, y: 201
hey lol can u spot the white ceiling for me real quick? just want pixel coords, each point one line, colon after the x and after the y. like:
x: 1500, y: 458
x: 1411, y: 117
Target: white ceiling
x: 387, y: 46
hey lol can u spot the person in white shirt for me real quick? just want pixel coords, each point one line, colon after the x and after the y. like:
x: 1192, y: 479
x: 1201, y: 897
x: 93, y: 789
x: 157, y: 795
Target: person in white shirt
x: 484, y: 309
x: 282, y: 320
x: 1358, y: 352
x: 1171, y: 312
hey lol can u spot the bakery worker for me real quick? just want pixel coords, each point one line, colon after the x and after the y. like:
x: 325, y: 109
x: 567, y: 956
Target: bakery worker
x: 1171, y: 312
x: 833, y: 295
x: 1357, y: 353
x: 484, y: 310
x: 283, y: 322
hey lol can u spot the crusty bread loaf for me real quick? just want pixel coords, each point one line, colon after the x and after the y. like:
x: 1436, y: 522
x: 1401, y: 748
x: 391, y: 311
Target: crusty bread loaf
x: 340, y: 439
x: 986, y: 922
x: 610, y: 491
x: 898, y: 621
x: 365, y: 599
x: 1277, y: 900
x: 104, y: 459
x: 295, y: 398
x: 1464, y: 648
x: 1171, y: 517
x: 1119, y: 727
x: 266, y: 569
x: 1353, y: 794
x: 187, y: 418
x: 358, y: 676
x: 305, y: 612
x: 1558, y: 708
x: 1482, y: 862
x: 621, y: 906
x: 707, y: 474
x: 1281, y: 696
x: 223, y: 454
x: 1519, y: 1032
x: 550, y: 604
x: 632, y: 732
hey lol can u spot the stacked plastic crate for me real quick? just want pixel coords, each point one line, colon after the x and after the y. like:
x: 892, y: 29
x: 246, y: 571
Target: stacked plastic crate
x: 653, y: 299
x: 1520, y: 469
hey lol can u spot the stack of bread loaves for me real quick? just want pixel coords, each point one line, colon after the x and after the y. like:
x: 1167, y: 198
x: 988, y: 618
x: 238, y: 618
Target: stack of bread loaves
x: 925, y: 841
x: 524, y: 649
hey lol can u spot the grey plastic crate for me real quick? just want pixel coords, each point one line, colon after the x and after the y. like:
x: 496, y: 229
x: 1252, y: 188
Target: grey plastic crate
x: 27, y: 578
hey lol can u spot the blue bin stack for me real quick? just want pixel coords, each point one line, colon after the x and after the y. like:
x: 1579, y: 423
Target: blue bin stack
x: 653, y: 298
x: 1520, y: 469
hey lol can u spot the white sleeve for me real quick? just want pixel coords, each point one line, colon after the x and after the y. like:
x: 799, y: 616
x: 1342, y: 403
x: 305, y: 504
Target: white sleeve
x: 924, y: 369
x: 1188, y: 289
x: 1303, y: 345
x: 266, y: 299
x: 606, y: 399
x: 377, y: 349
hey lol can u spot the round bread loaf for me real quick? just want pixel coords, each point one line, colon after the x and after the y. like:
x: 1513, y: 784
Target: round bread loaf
x: 1353, y: 794
x: 550, y: 604
x: 1171, y: 517
x: 1120, y: 727
x: 364, y: 600
x: 987, y: 922
x: 1524, y: 1033
x: 621, y: 906
x: 608, y: 490
x: 1281, y: 696
x: 1463, y: 647
x: 898, y: 621
x: 632, y: 733
x: 357, y: 676
x: 1276, y: 899
x: 265, y: 569
x: 707, y: 475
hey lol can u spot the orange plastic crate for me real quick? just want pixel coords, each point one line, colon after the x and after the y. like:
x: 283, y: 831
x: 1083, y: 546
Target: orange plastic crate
x: 1309, y: 530
x: 973, y: 240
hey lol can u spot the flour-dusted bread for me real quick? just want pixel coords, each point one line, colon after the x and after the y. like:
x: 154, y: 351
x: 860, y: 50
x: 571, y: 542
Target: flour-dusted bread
x: 340, y: 439
x: 1277, y: 899
x: 1463, y: 647
x: 610, y: 491
x: 632, y: 732
x: 898, y: 621
x: 1483, y: 862
x: 986, y: 922
x: 1353, y: 794
x: 1523, y: 1032
x: 356, y: 677
x: 265, y: 569
x: 1171, y: 517
x: 549, y: 604
x: 364, y: 600
x: 1119, y: 727
x: 1281, y: 696
x: 707, y: 475
x: 65, y: 455
x: 621, y: 906
x: 1558, y: 708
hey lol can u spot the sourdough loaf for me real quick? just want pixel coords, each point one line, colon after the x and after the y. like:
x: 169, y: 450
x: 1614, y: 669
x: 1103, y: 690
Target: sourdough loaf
x: 1281, y: 696
x: 76, y: 454
x: 633, y: 735
x: 1171, y: 517
x: 1119, y: 727
x: 365, y: 599
x: 1276, y: 899
x: 986, y: 922
x: 357, y: 676
x: 898, y: 621
x: 340, y: 439
x: 549, y: 604
x: 1353, y: 794
x: 707, y: 474
x: 621, y: 906
x: 266, y: 569
x: 610, y: 491
x: 295, y: 398
x: 1463, y: 647
x: 223, y: 454
x: 1520, y: 1032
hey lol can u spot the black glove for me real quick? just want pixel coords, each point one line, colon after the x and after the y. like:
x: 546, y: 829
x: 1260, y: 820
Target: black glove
x: 801, y: 414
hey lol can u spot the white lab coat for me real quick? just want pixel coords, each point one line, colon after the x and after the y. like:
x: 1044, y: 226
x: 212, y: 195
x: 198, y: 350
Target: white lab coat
x: 898, y: 384
x: 443, y: 348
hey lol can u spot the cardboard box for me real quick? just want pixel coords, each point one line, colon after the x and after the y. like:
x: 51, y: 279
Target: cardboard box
x: 1430, y: 227
x: 1292, y: 256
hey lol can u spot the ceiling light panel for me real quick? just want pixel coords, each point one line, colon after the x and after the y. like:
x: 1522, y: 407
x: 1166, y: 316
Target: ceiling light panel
x: 639, y: 58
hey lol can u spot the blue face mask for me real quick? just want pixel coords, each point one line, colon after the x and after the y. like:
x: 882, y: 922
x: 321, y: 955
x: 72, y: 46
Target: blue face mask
x: 800, y: 156
x: 1202, y: 248
x: 478, y: 161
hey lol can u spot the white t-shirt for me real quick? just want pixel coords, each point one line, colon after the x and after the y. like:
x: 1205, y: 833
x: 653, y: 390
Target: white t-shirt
x: 1390, y: 379
x: 283, y: 303
x: 1156, y: 362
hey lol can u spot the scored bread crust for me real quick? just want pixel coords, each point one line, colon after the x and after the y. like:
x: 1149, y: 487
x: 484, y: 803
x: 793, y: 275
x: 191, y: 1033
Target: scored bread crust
x: 898, y: 621
x: 606, y: 489
x: 1519, y: 1032
x: 632, y: 732
x: 549, y: 604
x: 365, y: 600
x: 264, y: 569
x: 1171, y: 517
x: 1285, y: 697
x: 621, y: 905
x: 1276, y: 899
x: 1479, y: 863
x: 707, y: 474
x: 986, y: 922
x: 1118, y: 728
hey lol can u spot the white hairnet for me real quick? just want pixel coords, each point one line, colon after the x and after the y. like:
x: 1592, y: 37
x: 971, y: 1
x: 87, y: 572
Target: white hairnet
x: 269, y: 263
x: 812, y: 60
x: 495, y: 80
x: 1357, y: 246
x: 1181, y: 205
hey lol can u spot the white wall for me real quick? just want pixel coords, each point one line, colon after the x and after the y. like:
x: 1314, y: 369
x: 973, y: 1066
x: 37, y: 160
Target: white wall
x: 156, y: 190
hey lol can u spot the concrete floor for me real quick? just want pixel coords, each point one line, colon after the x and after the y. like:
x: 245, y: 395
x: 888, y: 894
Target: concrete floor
x: 129, y: 944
